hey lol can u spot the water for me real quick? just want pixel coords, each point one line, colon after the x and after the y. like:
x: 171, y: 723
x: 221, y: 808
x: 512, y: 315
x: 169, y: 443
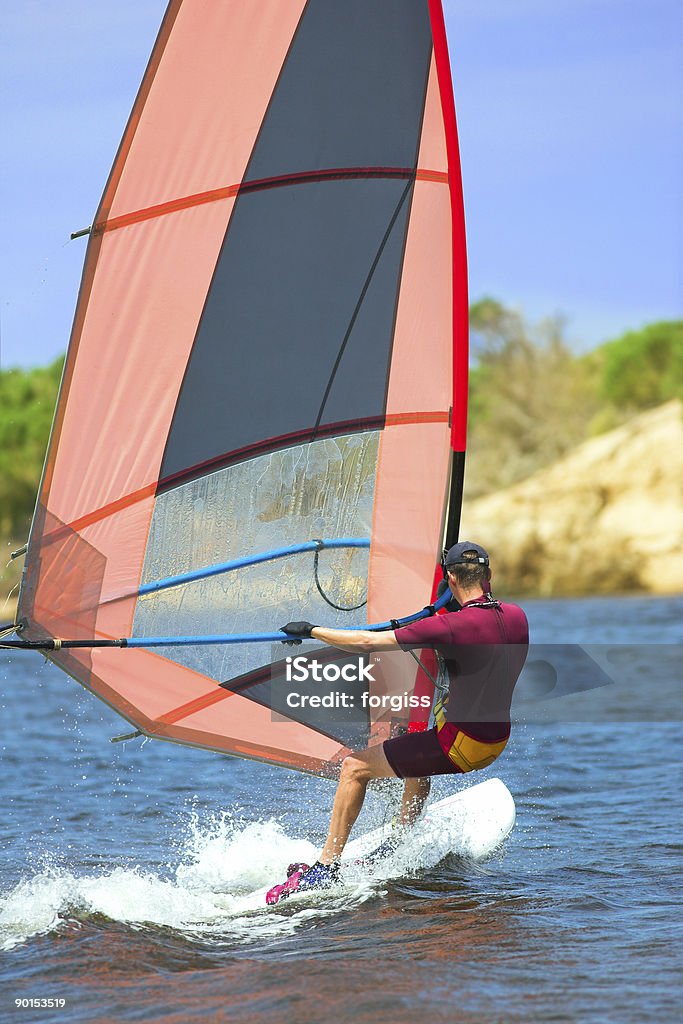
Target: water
x: 125, y: 871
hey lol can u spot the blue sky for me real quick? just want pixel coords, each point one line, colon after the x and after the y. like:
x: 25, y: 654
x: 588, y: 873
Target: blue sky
x: 570, y: 128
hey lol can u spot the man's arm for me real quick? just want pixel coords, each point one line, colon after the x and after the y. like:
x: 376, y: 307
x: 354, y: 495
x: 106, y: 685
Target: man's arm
x: 364, y: 641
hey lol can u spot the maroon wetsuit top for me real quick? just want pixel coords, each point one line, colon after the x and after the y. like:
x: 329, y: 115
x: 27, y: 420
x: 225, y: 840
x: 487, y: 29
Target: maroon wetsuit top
x: 484, y: 646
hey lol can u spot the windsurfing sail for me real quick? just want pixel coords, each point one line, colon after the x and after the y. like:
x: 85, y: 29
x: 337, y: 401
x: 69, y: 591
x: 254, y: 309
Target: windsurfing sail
x: 262, y: 414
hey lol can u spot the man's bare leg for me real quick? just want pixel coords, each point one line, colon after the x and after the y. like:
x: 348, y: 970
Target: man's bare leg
x: 357, y: 771
x: 415, y: 792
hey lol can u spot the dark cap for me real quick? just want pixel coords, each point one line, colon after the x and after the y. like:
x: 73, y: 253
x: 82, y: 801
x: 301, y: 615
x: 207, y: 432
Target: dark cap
x: 454, y: 555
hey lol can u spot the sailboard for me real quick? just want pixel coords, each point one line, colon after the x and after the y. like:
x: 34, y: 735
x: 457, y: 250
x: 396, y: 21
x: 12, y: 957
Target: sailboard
x: 263, y: 408
x: 471, y: 824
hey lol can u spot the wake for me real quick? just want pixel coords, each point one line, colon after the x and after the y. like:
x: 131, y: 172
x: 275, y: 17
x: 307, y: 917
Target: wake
x: 223, y: 869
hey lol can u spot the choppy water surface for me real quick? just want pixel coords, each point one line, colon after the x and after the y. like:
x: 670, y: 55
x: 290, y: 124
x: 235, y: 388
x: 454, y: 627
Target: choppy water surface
x: 125, y: 871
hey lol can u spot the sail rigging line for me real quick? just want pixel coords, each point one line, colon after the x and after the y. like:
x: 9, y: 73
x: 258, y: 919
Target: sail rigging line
x: 426, y: 671
x: 217, y: 639
x: 320, y: 546
x: 361, y: 297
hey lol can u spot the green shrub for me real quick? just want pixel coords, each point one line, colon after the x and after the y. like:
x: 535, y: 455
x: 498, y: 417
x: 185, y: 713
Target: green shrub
x: 27, y: 401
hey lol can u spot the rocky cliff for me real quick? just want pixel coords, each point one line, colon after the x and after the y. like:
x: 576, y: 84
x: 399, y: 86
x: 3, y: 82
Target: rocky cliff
x: 606, y: 518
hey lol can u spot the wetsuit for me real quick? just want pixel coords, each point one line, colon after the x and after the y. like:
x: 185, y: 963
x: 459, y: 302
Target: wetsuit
x: 484, y: 646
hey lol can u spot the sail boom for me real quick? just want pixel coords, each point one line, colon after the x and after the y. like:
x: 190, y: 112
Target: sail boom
x: 248, y: 560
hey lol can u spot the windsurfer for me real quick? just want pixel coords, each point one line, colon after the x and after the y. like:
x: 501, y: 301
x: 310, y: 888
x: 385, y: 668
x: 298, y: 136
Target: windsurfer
x: 484, y: 646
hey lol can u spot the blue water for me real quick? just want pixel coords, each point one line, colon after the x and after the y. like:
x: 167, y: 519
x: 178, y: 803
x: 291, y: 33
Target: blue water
x: 122, y: 867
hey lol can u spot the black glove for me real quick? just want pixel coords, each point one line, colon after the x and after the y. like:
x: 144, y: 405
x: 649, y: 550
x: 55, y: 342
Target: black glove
x: 452, y: 605
x: 297, y: 630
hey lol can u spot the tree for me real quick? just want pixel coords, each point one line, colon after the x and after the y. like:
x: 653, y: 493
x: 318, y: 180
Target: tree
x: 644, y: 368
x: 27, y: 401
x: 530, y: 399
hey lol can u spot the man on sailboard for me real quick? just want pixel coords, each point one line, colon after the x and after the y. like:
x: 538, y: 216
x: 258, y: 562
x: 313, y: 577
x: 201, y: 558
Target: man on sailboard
x: 484, y: 645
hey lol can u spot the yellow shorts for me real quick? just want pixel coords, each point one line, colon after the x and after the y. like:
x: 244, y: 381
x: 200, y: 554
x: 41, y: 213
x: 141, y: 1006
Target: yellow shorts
x: 464, y: 751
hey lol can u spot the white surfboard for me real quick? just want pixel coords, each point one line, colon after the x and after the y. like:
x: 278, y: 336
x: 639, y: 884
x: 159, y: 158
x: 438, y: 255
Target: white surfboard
x: 471, y: 823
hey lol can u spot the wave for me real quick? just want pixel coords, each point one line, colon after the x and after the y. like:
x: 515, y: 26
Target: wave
x: 216, y: 890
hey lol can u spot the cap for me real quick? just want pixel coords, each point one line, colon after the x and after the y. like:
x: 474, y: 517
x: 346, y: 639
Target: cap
x: 454, y: 555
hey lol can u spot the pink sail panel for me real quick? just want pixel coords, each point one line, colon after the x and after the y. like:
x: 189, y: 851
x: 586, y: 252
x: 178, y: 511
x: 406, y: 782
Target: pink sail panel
x: 269, y: 348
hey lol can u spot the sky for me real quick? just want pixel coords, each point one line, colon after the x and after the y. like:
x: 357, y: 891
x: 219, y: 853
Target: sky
x: 570, y: 125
